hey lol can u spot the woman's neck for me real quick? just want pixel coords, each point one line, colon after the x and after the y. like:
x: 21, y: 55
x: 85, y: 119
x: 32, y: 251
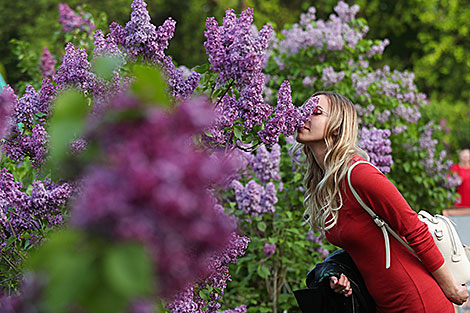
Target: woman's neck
x: 464, y: 164
x: 319, y: 151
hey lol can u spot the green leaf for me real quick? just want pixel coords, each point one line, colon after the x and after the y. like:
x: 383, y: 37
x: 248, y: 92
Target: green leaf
x: 263, y: 271
x: 128, y: 270
x: 149, y: 86
x: 261, y: 226
x: 105, y: 65
x: 237, y: 130
x: 67, y: 122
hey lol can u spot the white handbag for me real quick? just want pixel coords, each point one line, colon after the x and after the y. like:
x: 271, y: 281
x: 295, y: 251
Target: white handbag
x: 456, y: 255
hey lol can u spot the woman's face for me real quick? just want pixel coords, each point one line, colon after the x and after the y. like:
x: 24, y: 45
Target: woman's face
x: 464, y: 156
x: 314, y: 130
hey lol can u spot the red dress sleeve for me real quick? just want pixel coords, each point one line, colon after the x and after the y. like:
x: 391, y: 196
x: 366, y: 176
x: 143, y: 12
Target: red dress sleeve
x: 387, y: 202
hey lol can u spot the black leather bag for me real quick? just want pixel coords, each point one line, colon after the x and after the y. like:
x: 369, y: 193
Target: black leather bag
x: 320, y: 298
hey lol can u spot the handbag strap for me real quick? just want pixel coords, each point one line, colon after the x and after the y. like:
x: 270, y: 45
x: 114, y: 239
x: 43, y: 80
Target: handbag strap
x: 377, y: 219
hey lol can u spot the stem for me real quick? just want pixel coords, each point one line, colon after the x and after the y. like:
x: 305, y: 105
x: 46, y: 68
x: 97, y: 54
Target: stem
x: 11, y: 264
x: 225, y: 92
x: 249, y: 149
x: 275, y: 289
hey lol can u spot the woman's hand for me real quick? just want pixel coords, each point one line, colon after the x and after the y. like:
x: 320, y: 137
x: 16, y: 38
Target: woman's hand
x: 341, y: 285
x: 457, y: 295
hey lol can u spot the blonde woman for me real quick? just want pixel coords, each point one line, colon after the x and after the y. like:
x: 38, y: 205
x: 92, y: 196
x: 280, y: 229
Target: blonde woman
x: 329, y: 141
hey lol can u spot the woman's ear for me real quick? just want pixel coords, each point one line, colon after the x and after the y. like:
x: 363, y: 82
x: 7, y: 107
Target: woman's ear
x: 336, y: 132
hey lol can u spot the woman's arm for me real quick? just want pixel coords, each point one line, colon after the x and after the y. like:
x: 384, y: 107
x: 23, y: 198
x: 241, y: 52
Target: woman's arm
x: 455, y: 293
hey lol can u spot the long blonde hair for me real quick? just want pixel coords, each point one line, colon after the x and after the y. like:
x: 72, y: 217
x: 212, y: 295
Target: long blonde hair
x: 323, y: 191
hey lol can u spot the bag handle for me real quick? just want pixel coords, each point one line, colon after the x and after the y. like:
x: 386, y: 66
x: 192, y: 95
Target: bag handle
x: 377, y: 219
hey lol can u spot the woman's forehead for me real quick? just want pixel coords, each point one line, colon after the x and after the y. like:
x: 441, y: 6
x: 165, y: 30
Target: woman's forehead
x: 323, y: 102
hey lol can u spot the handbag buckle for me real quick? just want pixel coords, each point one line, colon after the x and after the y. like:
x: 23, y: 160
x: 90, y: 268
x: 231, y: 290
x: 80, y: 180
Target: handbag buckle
x: 439, y: 234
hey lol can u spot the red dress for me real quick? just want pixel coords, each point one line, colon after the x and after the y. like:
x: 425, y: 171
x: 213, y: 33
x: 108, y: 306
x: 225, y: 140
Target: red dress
x: 407, y: 286
x: 464, y: 189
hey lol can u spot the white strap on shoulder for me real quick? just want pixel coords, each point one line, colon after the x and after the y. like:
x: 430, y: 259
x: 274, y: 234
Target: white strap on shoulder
x: 377, y: 219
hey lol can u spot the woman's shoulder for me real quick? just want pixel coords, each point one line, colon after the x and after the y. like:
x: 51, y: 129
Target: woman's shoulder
x: 364, y: 173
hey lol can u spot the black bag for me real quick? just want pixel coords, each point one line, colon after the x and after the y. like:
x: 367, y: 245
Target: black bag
x: 320, y: 298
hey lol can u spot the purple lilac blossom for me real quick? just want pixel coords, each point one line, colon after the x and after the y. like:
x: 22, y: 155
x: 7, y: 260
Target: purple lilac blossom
x: 374, y: 141
x: 334, y: 34
x: 75, y: 70
x: 330, y: 77
x: 234, y: 51
x: 189, y: 301
x: 317, y: 244
x: 287, y: 118
x: 253, y: 199
x: 180, y: 87
x: 106, y: 46
x: 47, y: 66
x: 238, y: 309
x: 378, y: 49
x: 27, y: 106
x: 251, y: 104
x: 28, y: 212
x: 266, y: 164
x: 157, y: 194
x: 7, y: 106
x: 47, y: 95
x: 70, y: 20
x: 269, y: 249
x: 140, y: 37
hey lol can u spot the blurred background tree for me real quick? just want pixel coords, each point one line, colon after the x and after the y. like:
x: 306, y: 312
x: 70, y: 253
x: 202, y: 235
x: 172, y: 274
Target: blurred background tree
x: 427, y: 38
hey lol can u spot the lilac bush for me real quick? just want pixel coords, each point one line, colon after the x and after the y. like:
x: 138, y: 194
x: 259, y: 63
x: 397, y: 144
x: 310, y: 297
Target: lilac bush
x: 71, y: 20
x: 377, y: 145
x: 47, y: 66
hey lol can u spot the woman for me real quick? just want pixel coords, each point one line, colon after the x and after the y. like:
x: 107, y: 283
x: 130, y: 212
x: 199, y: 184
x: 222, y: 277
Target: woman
x: 329, y: 143
x: 463, y: 170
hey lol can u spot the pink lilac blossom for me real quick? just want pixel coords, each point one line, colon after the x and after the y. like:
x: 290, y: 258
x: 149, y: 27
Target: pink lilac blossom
x: 157, y: 194
x: 253, y: 199
x: 7, y: 106
x: 70, y: 20
x: 47, y: 66
x: 266, y: 164
x: 234, y: 51
x: 269, y: 249
x: 374, y: 141
x: 140, y: 37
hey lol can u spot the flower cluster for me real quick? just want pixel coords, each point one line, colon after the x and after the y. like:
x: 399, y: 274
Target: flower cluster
x: 334, y: 34
x: 317, y: 244
x: 157, y: 194
x: 22, y: 213
x: 71, y: 20
x: 26, y: 134
x: 75, y: 70
x: 253, y: 199
x: 47, y: 66
x: 378, y: 49
x: 374, y: 141
x: 266, y: 164
x: 287, y: 118
x: 269, y: 250
x: 330, y: 77
x: 140, y: 37
x: 189, y: 301
x: 181, y: 87
x: 7, y: 102
x: 234, y: 51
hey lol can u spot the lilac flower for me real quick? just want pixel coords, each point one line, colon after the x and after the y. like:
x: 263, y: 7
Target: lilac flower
x: 106, y: 46
x: 157, y: 194
x: 47, y: 66
x: 180, y: 87
x: 318, y: 244
x: 287, y: 118
x: 251, y: 104
x: 308, y: 81
x: 266, y: 164
x: 28, y: 212
x: 7, y: 105
x: 70, y: 20
x: 140, y: 37
x: 27, y: 106
x: 374, y: 141
x: 47, y: 95
x: 75, y: 70
x: 77, y: 146
x: 345, y: 12
x: 189, y: 301
x: 234, y: 52
x: 378, y: 49
x: 330, y: 77
x: 253, y: 199
x: 409, y: 114
x: 269, y: 250
x: 238, y: 309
